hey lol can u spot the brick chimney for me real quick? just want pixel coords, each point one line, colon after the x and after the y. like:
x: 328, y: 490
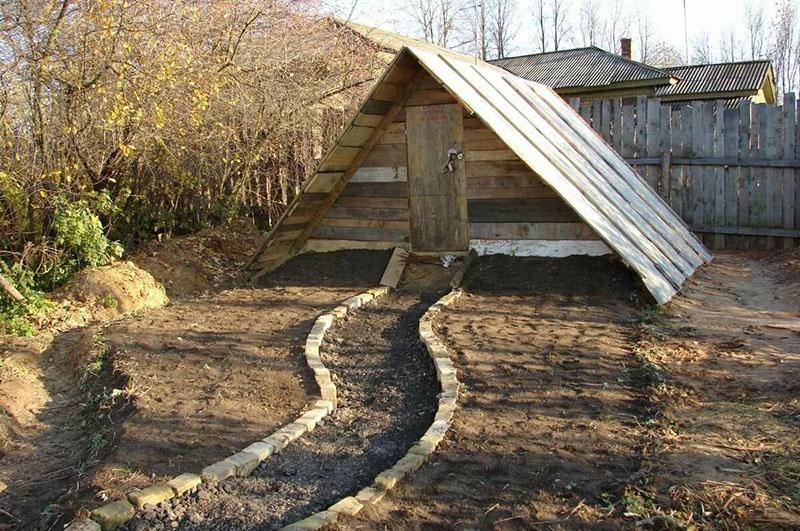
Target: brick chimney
x: 626, y: 47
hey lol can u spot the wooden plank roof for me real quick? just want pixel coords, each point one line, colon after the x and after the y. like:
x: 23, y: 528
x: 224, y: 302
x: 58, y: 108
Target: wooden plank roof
x: 547, y: 134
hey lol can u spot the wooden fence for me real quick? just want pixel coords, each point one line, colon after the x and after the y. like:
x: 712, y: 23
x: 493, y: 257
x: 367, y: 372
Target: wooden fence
x: 731, y: 173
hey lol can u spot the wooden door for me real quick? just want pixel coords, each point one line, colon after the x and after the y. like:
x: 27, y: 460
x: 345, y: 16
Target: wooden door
x: 438, y: 199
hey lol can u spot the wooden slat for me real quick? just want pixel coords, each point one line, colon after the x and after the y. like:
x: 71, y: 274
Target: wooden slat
x: 339, y: 159
x: 356, y: 136
x: 360, y: 234
x: 520, y: 211
x: 382, y: 155
x: 380, y: 175
x: 323, y: 182
x: 497, y: 168
x: 490, y: 155
x: 532, y: 231
x: 324, y: 246
x: 789, y: 188
x: 367, y: 120
x: 731, y: 173
x: 745, y: 117
x: 394, y: 270
x: 373, y: 106
x: 635, y: 214
x: 435, y: 96
x: 748, y: 231
x: 365, y: 223
x: 373, y: 202
x: 479, y: 192
x: 388, y: 214
x: 395, y: 189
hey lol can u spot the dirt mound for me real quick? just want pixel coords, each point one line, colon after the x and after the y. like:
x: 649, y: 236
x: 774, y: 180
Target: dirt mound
x: 104, y: 293
x: 207, y: 261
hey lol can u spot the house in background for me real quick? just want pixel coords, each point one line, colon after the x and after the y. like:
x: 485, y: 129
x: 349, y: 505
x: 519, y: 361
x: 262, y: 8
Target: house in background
x: 734, y: 82
x: 592, y: 73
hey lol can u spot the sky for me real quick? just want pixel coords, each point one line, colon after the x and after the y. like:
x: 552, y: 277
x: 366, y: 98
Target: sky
x: 709, y: 16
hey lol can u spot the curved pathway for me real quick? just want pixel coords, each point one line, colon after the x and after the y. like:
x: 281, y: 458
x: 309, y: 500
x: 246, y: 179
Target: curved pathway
x: 386, y: 400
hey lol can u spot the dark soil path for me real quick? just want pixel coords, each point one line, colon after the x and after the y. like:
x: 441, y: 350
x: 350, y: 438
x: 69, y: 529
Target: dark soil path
x: 206, y: 377
x: 387, y: 394
x: 547, y: 421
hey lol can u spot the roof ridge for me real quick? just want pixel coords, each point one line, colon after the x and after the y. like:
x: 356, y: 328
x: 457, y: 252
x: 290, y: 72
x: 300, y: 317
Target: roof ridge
x: 721, y: 63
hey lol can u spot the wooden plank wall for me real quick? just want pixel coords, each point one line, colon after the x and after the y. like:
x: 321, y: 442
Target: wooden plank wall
x: 731, y: 173
x: 506, y: 200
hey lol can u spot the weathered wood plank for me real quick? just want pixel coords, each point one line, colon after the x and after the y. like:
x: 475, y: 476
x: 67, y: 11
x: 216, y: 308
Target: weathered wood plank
x: 394, y: 189
x: 475, y: 191
x: 372, y: 202
x: 498, y: 168
x: 324, y: 232
x: 382, y: 155
x: 490, y: 155
x: 731, y: 173
x: 520, y: 210
x: 356, y: 136
x: 788, y: 176
x: 365, y: 223
x: 323, y: 182
x: 380, y: 175
x: 339, y: 159
x: 532, y: 231
x: 394, y: 270
x: 388, y: 214
x: 436, y: 96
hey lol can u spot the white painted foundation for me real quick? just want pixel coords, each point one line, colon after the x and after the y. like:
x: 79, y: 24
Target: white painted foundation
x: 547, y: 248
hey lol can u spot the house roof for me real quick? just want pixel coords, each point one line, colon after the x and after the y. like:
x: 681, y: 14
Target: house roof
x: 589, y: 67
x: 545, y: 133
x: 387, y: 40
x: 747, y: 76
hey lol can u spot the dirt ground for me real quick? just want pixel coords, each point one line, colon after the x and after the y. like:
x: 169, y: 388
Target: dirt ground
x: 386, y: 392
x: 204, y: 377
x: 583, y: 408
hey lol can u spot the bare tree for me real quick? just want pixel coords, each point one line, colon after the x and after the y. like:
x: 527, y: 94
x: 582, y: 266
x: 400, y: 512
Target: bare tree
x: 730, y: 47
x: 617, y: 24
x: 590, y: 22
x: 702, y: 50
x: 560, y: 25
x: 646, y: 36
x: 540, y: 24
x: 785, y: 46
x: 754, y: 24
x: 435, y: 20
x: 503, y: 28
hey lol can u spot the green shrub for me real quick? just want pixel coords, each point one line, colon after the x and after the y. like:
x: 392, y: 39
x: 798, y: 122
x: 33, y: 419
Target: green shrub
x: 14, y: 316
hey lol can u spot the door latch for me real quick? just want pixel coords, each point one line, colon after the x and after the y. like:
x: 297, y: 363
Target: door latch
x: 452, y: 156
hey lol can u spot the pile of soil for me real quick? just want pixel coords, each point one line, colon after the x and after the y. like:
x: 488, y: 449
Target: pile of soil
x: 386, y: 386
x: 205, y: 262
x: 206, y: 376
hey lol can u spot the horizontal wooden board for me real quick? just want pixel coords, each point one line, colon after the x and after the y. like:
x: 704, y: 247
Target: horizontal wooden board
x: 373, y: 106
x: 507, y: 181
x: 497, y: 168
x: 363, y: 234
x: 372, y: 202
x: 356, y: 136
x: 520, y: 210
x: 436, y: 96
x: 380, y: 175
x: 286, y: 235
x: 546, y: 248
x: 476, y: 191
x: 490, y: 155
x: 389, y: 214
x: 393, y: 138
x: 532, y: 231
x: 366, y: 223
x: 367, y: 120
x: 323, y: 181
x: 325, y: 246
x: 376, y: 190
x: 387, y: 92
x: 483, y: 144
x: 339, y: 159
x: 383, y: 155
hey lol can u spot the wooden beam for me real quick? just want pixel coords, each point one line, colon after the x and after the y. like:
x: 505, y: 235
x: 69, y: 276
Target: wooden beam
x: 747, y: 231
x: 717, y: 161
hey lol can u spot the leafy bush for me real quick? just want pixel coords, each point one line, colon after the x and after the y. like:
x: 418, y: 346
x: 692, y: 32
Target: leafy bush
x: 14, y: 316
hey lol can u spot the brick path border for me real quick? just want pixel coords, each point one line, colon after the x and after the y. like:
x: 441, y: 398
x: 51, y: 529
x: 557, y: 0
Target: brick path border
x: 417, y: 454
x: 112, y: 515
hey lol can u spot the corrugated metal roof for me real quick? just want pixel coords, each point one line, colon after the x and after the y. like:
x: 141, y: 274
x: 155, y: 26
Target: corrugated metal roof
x: 724, y: 77
x: 581, y: 67
x: 555, y: 142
